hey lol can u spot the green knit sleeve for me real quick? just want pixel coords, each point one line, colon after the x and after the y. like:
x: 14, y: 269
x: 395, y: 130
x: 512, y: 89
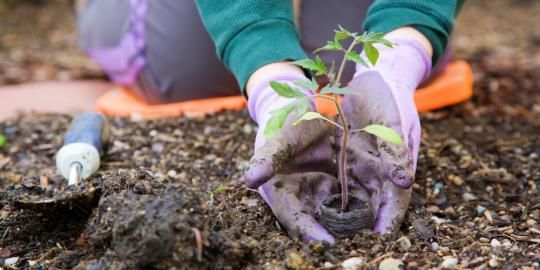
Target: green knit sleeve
x: 249, y: 34
x: 433, y: 18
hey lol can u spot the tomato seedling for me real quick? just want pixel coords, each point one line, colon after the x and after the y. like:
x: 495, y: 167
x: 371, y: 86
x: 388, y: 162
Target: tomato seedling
x: 331, y: 91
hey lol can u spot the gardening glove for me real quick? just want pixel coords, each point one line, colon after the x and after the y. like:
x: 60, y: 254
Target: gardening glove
x: 292, y: 168
x: 382, y: 170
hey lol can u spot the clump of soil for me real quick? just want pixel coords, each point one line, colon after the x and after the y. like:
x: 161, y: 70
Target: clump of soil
x: 161, y: 230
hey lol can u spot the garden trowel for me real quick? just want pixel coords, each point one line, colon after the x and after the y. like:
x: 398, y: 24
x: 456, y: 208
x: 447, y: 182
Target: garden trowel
x: 77, y: 159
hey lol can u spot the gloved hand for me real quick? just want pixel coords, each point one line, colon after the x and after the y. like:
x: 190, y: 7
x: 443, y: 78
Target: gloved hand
x: 287, y: 167
x: 385, y: 170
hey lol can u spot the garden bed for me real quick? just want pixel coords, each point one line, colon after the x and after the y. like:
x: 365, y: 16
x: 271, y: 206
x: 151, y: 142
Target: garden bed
x: 171, y: 192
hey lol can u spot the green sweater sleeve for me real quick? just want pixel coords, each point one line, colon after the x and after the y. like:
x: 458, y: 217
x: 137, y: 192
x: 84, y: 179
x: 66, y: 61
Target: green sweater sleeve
x: 433, y: 18
x: 249, y: 34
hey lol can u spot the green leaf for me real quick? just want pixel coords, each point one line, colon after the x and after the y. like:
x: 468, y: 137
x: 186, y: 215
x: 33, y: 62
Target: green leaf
x: 343, y: 33
x: 372, y: 53
x: 354, y: 56
x: 277, y: 120
x: 317, y: 66
x: 384, y: 133
x: 301, y: 105
x: 308, y: 116
x: 386, y: 43
x: 370, y: 37
x: 332, y: 89
x: 2, y: 140
x: 330, y: 46
x: 285, y: 90
x: 309, y: 85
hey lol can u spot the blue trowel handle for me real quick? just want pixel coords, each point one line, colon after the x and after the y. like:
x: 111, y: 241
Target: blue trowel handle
x: 90, y: 128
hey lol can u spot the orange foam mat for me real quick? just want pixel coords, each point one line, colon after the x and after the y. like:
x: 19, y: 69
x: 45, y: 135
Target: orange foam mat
x: 453, y: 85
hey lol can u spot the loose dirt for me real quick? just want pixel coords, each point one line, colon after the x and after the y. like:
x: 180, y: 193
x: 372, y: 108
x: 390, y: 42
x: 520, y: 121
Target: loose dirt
x: 169, y: 194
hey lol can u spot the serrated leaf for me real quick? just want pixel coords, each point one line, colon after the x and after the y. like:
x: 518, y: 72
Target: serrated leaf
x: 372, y: 53
x: 317, y: 66
x: 308, y: 116
x: 354, y: 56
x: 309, y: 85
x: 343, y: 33
x: 339, y: 35
x: 285, y: 90
x: 277, y: 120
x: 387, y: 43
x: 2, y: 140
x: 328, y: 89
x: 384, y: 133
x: 301, y: 106
x: 330, y: 46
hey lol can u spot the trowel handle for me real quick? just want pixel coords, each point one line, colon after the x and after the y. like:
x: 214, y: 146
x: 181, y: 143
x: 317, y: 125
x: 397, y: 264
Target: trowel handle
x: 90, y: 128
x: 83, y: 145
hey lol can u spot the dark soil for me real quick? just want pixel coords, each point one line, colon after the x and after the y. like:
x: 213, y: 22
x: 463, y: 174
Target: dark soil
x: 169, y: 194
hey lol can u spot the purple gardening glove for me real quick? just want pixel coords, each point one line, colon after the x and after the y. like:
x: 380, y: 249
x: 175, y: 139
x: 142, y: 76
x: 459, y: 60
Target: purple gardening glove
x: 383, y: 170
x: 287, y: 167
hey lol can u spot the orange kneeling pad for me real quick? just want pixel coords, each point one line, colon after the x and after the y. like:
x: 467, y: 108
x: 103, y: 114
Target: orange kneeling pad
x: 452, y: 86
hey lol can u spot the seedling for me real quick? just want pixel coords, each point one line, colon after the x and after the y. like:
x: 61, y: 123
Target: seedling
x: 331, y: 92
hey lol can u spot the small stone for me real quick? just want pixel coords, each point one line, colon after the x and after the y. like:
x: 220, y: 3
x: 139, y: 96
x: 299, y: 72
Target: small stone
x: 158, y: 147
x: 506, y: 244
x: 435, y: 246
x: 437, y: 188
x: 247, y: 129
x: 495, y: 244
x: 438, y: 220
x: 353, y: 263
x: 445, y: 250
x: 390, y: 264
x: 404, y: 243
x: 433, y: 209
x: 11, y: 261
x: 531, y: 222
x: 493, y: 262
x: 480, y: 210
x: 171, y: 173
x: 4, y: 214
x: 450, y: 211
x: 483, y: 240
x: 467, y: 196
x: 328, y: 265
x: 449, y: 263
x: 456, y: 180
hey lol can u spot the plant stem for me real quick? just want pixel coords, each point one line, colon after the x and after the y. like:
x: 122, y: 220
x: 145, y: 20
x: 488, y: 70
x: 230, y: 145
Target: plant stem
x: 343, y: 159
x: 343, y: 149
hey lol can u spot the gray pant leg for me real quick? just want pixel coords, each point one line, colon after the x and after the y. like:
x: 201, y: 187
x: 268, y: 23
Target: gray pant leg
x: 319, y: 19
x: 102, y: 23
x: 181, y: 60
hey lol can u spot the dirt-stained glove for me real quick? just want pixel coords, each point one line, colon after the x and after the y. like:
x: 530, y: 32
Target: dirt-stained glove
x: 291, y: 169
x: 385, y: 170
